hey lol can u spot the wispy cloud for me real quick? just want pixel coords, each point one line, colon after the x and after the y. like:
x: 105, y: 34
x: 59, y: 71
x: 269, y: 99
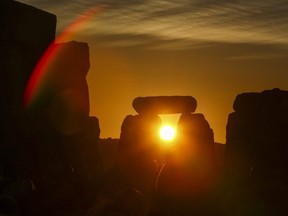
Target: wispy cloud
x: 185, y: 21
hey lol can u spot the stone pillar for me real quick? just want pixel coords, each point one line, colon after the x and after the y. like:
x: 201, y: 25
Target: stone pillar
x: 189, y: 170
x: 25, y: 34
x: 256, y: 134
x: 139, y: 151
x: 256, y: 152
x: 196, y: 135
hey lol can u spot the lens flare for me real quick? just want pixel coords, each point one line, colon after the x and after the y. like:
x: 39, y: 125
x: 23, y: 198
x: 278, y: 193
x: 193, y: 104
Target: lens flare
x: 167, y: 133
x: 41, y: 70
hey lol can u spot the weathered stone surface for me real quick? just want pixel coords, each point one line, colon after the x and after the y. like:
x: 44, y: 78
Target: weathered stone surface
x: 256, y: 148
x: 165, y: 104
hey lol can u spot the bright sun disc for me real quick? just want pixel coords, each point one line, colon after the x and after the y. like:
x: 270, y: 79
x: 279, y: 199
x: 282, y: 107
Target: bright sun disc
x: 167, y: 133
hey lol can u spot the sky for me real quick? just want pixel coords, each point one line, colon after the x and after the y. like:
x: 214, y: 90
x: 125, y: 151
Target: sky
x: 209, y: 49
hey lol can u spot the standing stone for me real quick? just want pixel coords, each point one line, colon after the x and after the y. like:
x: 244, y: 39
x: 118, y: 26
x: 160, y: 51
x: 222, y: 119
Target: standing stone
x: 257, y: 133
x: 139, y: 151
x: 189, y: 170
x: 82, y: 154
x: 256, y: 151
x: 65, y: 91
x: 61, y: 108
x: 25, y: 34
x: 53, y: 142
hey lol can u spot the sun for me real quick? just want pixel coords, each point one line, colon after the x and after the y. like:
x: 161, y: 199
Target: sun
x: 167, y: 133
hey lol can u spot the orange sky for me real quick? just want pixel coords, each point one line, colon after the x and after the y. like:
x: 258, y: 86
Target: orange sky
x: 213, y: 75
x: 209, y: 49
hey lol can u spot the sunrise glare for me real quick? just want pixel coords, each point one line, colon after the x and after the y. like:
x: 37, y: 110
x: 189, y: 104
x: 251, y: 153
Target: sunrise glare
x: 167, y: 133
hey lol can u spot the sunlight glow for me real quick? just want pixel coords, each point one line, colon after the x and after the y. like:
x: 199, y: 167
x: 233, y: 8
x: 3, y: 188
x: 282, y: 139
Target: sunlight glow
x: 167, y: 133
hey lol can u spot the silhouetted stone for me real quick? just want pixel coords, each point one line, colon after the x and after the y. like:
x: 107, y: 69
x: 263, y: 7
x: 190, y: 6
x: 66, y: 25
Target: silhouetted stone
x: 189, y: 171
x: 195, y: 126
x: 69, y: 178
x: 63, y: 97
x: 219, y: 157
x: 139, y: 151
x: 60, y: 121
x: 272, y: 100
x: 108, y: 150
x: 61, y: 108
x: 257, y: 130
x: 139, y: 134
x: 83, y: 156
x: 25, y: 34
x: 53, y: 142
x: 82, y: 149
x: 196, y: 135
x: 165, y: 104
x: 256, y: 149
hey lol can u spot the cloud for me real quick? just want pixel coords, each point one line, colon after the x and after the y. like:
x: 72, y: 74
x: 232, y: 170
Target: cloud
x: 185, y: 21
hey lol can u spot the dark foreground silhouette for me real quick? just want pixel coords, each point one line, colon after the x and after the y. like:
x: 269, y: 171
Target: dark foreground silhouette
x: 52, y: 161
